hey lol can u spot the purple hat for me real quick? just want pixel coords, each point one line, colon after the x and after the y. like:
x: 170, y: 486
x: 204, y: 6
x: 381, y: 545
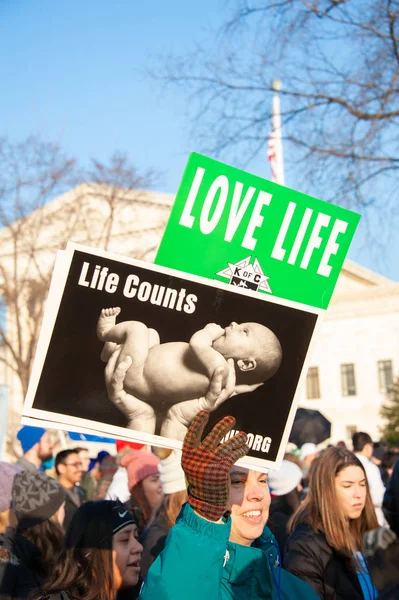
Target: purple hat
x: 7, y: 473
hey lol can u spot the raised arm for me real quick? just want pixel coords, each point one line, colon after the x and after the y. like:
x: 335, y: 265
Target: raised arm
x: 191, y: 564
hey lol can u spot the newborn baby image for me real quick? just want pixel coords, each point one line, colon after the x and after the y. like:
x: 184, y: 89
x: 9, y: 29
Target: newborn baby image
x: 173, y: 372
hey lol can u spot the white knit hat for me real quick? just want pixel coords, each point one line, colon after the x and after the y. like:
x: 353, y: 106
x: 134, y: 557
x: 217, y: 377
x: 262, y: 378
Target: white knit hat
x: 171, y: 473
x: 286, y: 479
x: 308, y: 449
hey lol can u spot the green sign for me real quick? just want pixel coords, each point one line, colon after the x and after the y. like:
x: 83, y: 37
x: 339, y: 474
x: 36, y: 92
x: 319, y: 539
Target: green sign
x: 238, y: 228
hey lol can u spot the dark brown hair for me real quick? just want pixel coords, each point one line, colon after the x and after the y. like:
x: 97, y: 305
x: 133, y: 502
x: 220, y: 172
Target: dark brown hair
x: 321, y: 510
x: 85, y: 568
x: 139, y: 501
x: 48, y: 537
x: 61, y: 458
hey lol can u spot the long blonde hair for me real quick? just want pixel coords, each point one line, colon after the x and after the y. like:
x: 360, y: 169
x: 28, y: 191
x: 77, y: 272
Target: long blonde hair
x: 321, y: 509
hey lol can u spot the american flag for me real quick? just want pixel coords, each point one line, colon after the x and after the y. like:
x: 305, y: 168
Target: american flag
x: 275, y: 145
x: 272, y: 149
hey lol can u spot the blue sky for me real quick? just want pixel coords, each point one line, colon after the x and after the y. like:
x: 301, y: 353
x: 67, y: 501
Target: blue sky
x: 75, y: 72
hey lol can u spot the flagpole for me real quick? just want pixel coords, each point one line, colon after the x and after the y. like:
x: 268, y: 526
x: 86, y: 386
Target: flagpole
x: 276, y: 158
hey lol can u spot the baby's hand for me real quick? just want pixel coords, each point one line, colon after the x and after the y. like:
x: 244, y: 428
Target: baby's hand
x: 221, y: 387
x: 214, y: 330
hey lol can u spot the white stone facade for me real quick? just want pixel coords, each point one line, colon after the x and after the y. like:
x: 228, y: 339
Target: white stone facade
x: 361, y: 328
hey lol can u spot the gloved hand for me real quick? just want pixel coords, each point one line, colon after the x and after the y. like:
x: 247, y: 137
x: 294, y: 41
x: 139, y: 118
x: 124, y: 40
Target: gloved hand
x: 377, y: 539
x: 207, y: 464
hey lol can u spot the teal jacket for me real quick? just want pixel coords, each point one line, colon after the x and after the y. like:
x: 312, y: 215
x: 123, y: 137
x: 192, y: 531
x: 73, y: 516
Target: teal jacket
x: 200, y: 563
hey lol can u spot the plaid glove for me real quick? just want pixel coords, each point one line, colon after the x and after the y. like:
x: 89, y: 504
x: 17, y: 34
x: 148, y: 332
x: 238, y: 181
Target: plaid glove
x: 207, y: 464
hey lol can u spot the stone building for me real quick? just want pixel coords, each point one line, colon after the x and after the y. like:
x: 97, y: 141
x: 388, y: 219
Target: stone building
x: 357, y: 355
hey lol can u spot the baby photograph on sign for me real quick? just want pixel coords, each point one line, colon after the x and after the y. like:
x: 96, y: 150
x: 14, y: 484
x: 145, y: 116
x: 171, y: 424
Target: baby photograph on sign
x: 136, y: 350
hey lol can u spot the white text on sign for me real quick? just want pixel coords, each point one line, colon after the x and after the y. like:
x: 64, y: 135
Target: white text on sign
x: 214, y: 206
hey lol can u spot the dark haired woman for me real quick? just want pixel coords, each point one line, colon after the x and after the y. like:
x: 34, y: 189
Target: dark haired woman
x: 325, y: 545
x: 101, y: 555
x: 28, y: 552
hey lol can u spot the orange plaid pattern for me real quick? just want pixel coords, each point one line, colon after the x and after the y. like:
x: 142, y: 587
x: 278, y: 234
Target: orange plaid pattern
x: 207, y: 464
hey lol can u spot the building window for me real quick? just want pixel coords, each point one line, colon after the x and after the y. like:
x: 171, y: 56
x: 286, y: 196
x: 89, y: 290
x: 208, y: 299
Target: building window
x: 349, y: 431
x: 348, y: 382
x: 385, y: 375
x: 312, y: 384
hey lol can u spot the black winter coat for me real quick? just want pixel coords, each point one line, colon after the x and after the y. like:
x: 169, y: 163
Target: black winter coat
x: 71, y: 505
x: 279, y: 515
x: 309, y: 557
x: 391, y: 500
x: 20, y: 566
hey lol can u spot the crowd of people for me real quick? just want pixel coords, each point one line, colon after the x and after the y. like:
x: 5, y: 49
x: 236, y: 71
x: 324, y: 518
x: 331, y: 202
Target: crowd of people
x: 161, y: 524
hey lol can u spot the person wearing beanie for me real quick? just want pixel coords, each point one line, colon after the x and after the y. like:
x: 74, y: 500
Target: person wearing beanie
x: 285, y: 489
x: 107, y: 469
x: 308, y: 453
x: 100, y: 559
x: 28, y: 552
x: 119, y: 487
x: 37, y: 447
x: 175, y: 495
x: 7, y: 473
x: 144, y: 485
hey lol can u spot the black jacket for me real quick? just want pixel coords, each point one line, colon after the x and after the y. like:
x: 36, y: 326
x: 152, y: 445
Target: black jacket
x: 384, y: 570
x: 20, y: 566
x: 71, y: 505
x: 309, y: 557
x: 279, y: 515
x: 391, y: 500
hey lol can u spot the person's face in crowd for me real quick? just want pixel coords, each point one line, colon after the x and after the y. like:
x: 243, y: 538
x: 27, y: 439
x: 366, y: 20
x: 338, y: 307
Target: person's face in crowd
x: 152, y: 488
x: 72, y: 469
x: 249, y: 505
x: 126, y: 557
x: 45, y: 447
x: 351, y: 490
x: 85, y: 458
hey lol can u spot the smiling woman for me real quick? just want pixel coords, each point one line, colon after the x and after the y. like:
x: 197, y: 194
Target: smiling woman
x: 220, y: 547
x: 250, y: 502
x: 101, y: 555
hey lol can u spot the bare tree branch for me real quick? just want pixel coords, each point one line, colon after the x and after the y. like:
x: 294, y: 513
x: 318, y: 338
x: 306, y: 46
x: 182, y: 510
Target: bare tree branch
x: 338, y: 61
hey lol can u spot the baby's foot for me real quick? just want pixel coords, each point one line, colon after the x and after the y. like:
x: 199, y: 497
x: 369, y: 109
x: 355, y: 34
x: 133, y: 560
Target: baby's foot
x: 107, y: 320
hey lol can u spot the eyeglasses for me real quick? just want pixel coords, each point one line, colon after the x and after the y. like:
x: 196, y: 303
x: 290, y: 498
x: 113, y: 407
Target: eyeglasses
x: 75, y: 465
